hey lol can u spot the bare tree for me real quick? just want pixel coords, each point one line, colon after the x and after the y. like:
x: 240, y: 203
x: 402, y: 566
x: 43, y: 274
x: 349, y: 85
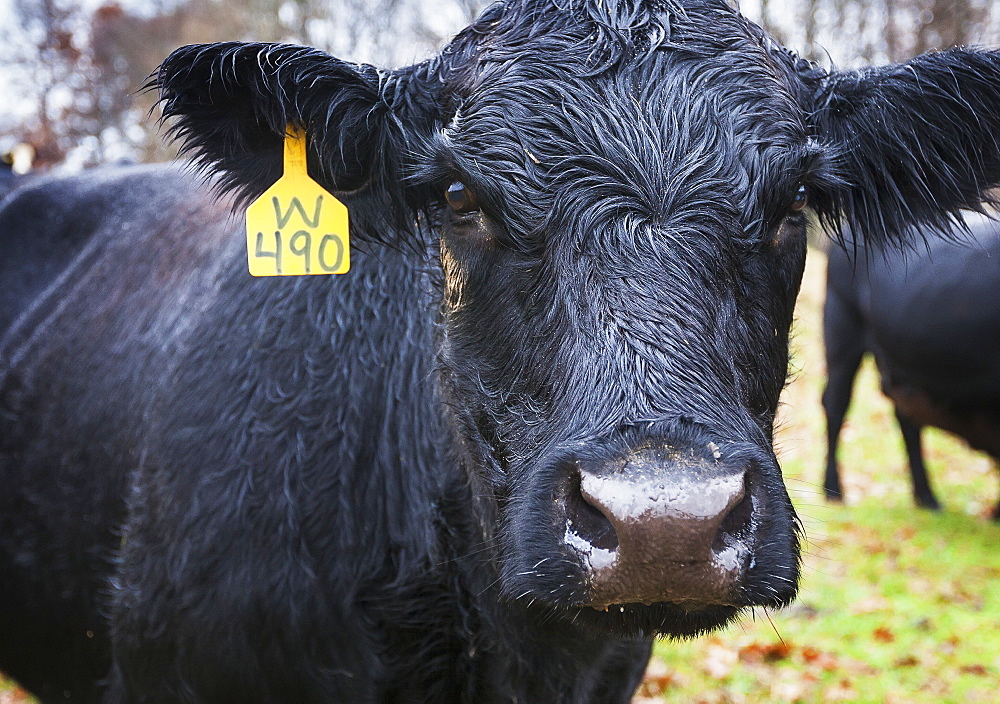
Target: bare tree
x: 766, y: 21
x: 83, y: 67
x: 857, y: 31
x: 54, y: 58
x: 472, y: 8
x: 810, y: 22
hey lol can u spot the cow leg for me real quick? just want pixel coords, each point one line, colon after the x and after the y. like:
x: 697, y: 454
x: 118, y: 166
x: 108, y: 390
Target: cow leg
x: 844, y: 339
x: 922, y: 492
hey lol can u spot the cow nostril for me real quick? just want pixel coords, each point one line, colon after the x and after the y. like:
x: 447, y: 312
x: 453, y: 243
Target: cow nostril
x: 587, y: 521
x: 736, y: 526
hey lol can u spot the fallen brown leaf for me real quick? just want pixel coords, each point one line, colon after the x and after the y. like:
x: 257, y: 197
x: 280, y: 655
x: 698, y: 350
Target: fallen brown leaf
x: 821, y: 659
x: 765, y: 652
x: 656, y: 686
x: 979, y: 670
x: 656, y: 680
x: 883, y: 635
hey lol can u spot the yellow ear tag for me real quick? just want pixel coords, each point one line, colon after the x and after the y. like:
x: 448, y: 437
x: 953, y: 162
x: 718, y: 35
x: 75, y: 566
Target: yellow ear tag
x: 296, y: 227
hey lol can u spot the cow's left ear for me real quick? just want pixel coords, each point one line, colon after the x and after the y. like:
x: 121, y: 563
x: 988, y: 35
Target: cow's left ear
x: 913, y: 142
x: 229, y: 104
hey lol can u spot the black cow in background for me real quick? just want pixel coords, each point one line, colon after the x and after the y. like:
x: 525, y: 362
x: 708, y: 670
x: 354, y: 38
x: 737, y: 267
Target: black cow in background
x: 14, y: 162
x: 8, y: 179
x: 931, y: 319
x: 530, y: 431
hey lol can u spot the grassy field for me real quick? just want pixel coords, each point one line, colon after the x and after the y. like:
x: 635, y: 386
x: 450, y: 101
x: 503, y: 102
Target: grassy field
x: 898, y: 606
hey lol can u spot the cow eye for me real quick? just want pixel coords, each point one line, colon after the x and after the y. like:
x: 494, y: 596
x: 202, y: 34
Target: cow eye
x: 801, y: 199
x: 460, y: 198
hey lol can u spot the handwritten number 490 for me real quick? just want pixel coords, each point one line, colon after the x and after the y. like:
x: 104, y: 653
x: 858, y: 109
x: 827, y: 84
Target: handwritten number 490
x: 300, y: 244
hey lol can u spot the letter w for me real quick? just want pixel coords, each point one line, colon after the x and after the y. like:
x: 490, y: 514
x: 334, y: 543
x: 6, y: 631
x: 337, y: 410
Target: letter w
x: 297, y: 205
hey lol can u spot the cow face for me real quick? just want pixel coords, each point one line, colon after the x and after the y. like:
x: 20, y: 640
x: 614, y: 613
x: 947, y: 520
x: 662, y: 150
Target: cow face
x: 621, y: 255
x: 615, y: 191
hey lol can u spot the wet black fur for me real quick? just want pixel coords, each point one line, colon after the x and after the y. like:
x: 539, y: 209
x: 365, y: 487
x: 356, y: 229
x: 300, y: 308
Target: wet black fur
x: 347, y: 489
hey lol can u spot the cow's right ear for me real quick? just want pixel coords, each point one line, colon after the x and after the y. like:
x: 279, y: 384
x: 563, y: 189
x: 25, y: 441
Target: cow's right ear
x: 913, y: 144
x: 229, y: 105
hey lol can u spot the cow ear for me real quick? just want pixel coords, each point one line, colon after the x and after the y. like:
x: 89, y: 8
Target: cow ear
x: 229, y: 104
x: 914, y: 143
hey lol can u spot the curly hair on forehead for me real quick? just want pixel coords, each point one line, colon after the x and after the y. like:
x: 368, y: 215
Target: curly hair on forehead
x: 597, y: 35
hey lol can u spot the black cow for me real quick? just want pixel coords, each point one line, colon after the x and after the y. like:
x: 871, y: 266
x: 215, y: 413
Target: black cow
x: 9, y: 179
x: 528, y: 432
x: 931, y: 319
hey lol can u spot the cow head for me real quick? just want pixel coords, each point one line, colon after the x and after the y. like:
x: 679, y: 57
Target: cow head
x: 615, y: 192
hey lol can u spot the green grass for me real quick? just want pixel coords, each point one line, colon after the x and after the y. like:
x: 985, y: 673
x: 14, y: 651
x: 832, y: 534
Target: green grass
x: 898, y: 605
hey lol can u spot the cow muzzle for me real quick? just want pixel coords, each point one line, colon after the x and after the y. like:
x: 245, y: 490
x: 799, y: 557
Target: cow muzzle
x: 660, y: 524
